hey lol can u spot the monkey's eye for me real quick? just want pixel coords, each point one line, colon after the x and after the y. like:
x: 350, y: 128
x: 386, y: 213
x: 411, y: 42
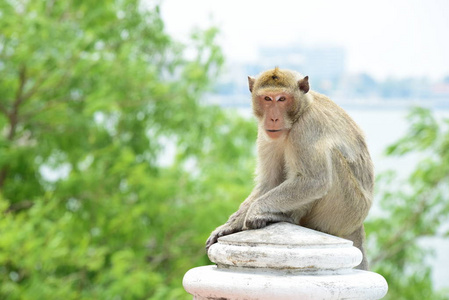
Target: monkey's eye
x: 267, y: 98
x: 282, y: 99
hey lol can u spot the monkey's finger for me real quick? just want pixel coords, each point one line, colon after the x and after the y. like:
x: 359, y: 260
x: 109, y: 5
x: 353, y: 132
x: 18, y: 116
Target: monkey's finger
x: 210, y: 241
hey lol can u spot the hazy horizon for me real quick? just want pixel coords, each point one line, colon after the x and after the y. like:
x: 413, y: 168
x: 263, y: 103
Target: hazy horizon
x: 382, y: 38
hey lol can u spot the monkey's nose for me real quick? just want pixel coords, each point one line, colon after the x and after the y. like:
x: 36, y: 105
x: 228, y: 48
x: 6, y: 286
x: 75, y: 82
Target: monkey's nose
x: 274, y: 120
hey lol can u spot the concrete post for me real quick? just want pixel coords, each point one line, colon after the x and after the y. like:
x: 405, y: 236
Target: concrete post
x: 283, y: 261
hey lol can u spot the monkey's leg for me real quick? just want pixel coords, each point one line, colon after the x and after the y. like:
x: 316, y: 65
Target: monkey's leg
x: 358, y: 238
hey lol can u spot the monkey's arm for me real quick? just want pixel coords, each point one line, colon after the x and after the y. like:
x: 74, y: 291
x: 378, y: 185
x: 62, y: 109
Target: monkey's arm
x: 311, y: 180
x: 269, y: 174
x: 235, y: 221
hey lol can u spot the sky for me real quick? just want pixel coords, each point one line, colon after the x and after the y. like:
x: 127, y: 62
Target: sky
x: 384, y: 38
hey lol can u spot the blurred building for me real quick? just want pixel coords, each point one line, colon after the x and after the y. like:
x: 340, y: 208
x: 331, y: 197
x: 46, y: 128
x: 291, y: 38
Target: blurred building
x: 325, y: 65
x: 326, y: 68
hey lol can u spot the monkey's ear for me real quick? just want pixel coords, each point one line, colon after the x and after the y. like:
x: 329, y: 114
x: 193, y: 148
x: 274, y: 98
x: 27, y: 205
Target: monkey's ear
x: 251, y: 81
x: 304, y: 84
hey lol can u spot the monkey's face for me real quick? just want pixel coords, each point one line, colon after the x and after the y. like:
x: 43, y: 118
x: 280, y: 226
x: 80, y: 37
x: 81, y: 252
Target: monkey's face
x: 277, y: 97
x: 272, y: 109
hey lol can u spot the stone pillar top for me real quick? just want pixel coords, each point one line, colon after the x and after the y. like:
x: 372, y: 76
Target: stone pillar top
x: 284, y: 234
x: 283, y: 261
x: 285, y: 246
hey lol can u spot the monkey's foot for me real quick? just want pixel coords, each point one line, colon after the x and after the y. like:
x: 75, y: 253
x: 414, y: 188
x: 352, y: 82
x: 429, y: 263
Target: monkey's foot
x: 263, y: 220
x: 257, y: 222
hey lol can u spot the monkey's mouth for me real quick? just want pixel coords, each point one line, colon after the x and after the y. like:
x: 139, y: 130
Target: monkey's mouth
x: 274, y: 133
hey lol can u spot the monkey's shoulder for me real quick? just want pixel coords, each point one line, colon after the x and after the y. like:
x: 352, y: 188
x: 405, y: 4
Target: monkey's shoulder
x: 325, y: 104
x: 332, y: 116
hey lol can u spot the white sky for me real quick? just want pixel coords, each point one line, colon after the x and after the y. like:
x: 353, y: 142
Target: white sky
x: 398, y: 38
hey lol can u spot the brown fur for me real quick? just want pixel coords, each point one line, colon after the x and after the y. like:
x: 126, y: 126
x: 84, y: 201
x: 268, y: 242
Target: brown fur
x: 317, y: 174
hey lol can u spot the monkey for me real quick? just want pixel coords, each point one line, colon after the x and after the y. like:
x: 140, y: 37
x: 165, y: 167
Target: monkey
x: 313, y: 165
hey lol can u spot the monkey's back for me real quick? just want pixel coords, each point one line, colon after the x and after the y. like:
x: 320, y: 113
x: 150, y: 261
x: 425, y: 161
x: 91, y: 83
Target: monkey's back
x: 351, y: 192
x: 344, y: 136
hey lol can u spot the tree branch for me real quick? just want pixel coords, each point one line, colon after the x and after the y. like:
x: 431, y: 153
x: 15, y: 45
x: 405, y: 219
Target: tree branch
x: 14, y: 117
x: 35, y: 88
x: 4, y: 110
x: 16, y: 207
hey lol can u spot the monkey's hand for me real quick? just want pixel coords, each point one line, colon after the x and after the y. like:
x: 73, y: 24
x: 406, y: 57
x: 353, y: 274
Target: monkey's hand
x: 221, y: 231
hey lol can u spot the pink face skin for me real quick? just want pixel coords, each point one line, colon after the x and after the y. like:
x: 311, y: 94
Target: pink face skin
x: 275, y: 106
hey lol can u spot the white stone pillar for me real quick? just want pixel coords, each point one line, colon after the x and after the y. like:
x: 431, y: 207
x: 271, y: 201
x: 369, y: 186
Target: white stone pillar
x: 283, y: 261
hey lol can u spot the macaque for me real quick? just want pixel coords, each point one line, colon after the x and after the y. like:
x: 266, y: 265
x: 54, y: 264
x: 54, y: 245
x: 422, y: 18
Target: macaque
x: 313, y: 165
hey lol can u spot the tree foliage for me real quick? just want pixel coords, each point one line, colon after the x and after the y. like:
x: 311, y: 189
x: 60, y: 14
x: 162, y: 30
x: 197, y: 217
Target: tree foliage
x: 111, y: 172
x: 413, y: 209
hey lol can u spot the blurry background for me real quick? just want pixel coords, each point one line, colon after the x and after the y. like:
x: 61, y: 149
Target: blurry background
x: 126, y: 134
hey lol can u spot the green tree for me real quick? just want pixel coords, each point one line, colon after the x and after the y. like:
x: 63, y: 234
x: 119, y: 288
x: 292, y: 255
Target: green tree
x: 111, y: 172
x: 412, y: 209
